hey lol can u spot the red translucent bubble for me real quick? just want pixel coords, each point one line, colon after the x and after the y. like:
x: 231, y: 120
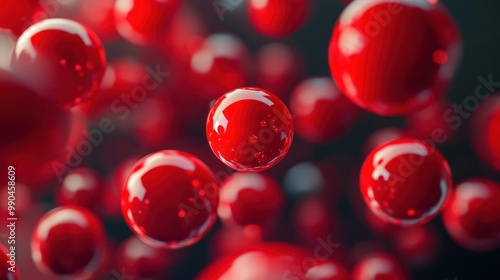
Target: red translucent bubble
x: 394, y: 58
x: 68, y: 56
x: 277, y: 18
x: 485, y: 131
x: 472, y: 218
x: 250, y: 199
x: 81, y: 187
x: 278, y: 67
x: 69, y: 242
x: 322, y: 113
x: 418, y: 246
x: 219, y: 64
x: 249, y: 129
x: 170, y: 188
x: 144, y: 21
x: 405, y: 181
x: 137, y: 259
x: 378, y: 266
x: 8, y: 271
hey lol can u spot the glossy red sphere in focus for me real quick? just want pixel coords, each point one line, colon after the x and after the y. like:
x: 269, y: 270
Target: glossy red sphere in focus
x: 249, y: 129
x: 170, y: 199
x: 81, y: 187
x: 379, y: 266
x: 485, y: 131
x: 250, y: 199
x: 472, y: 218
x: 277, y: 18
x: 5, y: 272
x: 63, y: 58
x: 144, y: 21
x: 219, y: 64
x: 394, y: 58
x: 322, y: 113
x: 405, y: 181
x: 69, y: 242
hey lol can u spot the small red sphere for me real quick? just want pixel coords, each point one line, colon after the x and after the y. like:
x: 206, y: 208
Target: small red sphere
x: 144, y: 21
x: 249, y: 129
x: 378, y: 266
x: 170, y: 188
x: 472, y: 218
x: 63, y: 58
x: 277, y: 18
x: 322, y: 113
x: 69, y: 242
x: 250, y: 199
x: 394, y: 58
x: 6, y: 272
x: 485, y: 131
x: 405, y: 181
x: 82, y: 187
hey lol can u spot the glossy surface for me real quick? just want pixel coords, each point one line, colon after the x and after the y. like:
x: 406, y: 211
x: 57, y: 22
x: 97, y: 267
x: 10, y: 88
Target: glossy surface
x: 277, y: 18
x: 485, y: 131
x: 394, y: 58
x: 379, y: 266
x: 250, y: 199
x: 82, y: 187
x: 7, y: 271
x: 249, y: 129
x: 170, y: 188
x: 219, y: 64
x: 405, y: 181
x: 69, y: 242
x: 64, y: 59
x: 144, y: 21
x: 472, y: 218
x: 322, y: 113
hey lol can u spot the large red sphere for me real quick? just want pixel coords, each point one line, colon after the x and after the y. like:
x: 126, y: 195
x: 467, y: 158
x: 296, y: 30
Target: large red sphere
x: 405, y: 181
x: 394, y: 57
x: 249, y: 129
x: 170, y: 188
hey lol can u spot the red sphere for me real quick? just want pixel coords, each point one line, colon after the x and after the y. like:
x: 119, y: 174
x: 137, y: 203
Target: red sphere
x: 472, y: 218
x: 277, y: 18
x: 63, y: 58
x: 485, y: 131
x: 82, y: 187
x: 69, y: 242
x: 249, y: 129
x: 329, y: 270
x: 378, y: 266
x: 321, y: 112
x: 219, y: 64
x: 144, y: 21
x: 394, y: 58
x: 405, y: 181
x: 250, y: 199
x: 170, y: 188
x: 7, y: 272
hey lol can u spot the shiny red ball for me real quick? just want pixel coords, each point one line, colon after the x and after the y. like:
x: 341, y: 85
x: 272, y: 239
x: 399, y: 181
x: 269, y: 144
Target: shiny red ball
x: 322, y: 113
x: 394, y: 58
x: 472, y: 218
x: 8, y: 271
x: 250, y: 199
x: 170, y: 188
x: 69, y: 242
x: 82, y: 187
x: 277, y: 18
x: 144, y: 21
x: 249, y: 129
x: 63, y: 58
x: 405, y: 181
x: 378, y: 266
